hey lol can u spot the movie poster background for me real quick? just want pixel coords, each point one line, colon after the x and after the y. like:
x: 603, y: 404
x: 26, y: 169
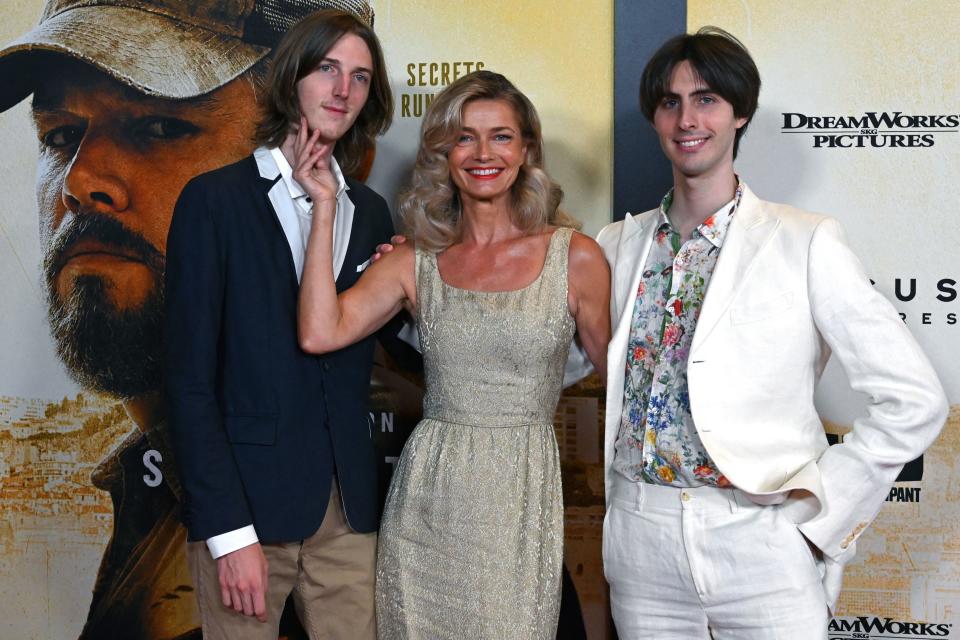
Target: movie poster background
x: 817, y: 58
x: 54, y: 523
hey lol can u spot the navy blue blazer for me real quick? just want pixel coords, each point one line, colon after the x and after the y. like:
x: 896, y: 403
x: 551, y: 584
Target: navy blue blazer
x: 258, y: 426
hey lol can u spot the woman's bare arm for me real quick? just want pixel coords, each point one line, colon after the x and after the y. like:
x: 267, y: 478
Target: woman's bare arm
x: 588, y: 278
x: 326, y: 321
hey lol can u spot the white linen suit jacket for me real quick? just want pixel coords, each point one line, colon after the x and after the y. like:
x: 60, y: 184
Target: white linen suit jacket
x: 787, y: 292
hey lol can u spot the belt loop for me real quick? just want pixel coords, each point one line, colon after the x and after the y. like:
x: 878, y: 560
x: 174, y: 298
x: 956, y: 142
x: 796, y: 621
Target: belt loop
x: 640, y: 495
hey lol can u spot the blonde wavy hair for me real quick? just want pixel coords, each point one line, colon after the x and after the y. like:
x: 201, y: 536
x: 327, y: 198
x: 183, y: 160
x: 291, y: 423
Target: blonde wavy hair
x: 430, y: 208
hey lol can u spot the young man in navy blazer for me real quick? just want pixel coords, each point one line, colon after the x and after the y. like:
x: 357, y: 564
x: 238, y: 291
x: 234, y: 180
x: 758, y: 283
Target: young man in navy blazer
x: 275, y: 456
x: 728, y: 515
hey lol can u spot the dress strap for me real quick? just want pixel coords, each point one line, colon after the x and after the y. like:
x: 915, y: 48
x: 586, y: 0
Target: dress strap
x: 558, y: 252
x: 425, y: 263
x: 428, y: 284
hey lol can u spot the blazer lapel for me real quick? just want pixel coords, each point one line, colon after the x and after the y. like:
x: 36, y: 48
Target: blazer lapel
x: 635, y: 241
x: 356, y: 244
x: 750, y: 229
x: 636, y: 237
x: 272, y: 189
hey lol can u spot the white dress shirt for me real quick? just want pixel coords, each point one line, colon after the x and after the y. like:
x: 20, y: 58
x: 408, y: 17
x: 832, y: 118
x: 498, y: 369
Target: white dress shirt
x: 294, y: 210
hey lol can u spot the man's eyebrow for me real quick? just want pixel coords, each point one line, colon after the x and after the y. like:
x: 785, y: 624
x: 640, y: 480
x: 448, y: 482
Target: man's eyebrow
x: 208, y: 102
x: 697, y: 92
x: 46, y: 102
x: 53, y: 101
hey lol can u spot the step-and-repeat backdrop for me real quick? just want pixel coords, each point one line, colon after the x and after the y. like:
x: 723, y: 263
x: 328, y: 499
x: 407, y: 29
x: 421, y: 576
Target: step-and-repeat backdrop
x: 858, y: 118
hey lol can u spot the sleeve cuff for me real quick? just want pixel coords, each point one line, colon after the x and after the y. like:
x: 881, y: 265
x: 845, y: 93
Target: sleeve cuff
x: 230, y: 541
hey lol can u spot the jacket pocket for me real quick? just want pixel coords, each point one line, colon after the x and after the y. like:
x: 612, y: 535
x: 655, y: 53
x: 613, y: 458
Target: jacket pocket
x: 251, y: 429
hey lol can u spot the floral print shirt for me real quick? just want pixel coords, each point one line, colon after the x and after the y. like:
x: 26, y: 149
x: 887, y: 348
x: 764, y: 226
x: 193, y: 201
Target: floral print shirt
x: 657, y: 441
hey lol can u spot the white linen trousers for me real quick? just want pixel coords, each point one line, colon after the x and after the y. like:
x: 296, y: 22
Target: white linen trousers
x: 707, y: 562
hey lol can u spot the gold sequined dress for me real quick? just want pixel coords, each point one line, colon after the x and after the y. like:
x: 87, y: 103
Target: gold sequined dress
x: 471, y: 542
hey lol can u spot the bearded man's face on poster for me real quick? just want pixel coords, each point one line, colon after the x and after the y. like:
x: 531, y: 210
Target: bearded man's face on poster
x: 112, y: 164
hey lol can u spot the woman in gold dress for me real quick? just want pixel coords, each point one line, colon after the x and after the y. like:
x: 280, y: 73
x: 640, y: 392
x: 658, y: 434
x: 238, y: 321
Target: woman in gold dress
x: 471, y: 542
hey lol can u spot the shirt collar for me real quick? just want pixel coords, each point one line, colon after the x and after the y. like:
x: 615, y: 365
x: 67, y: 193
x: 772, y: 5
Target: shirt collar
x: 714, y: 228
x: 293, y: 187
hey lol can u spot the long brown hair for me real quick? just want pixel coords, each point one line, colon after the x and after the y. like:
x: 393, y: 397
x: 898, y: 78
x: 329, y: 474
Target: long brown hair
x: 300, y: 51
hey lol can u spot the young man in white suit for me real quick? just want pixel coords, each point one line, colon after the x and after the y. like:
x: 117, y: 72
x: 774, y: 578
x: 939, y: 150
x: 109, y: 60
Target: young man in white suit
x: 728, y: 515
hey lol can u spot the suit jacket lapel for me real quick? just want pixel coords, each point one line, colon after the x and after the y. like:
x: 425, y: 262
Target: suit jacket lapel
x: 750, y: 229
x: 636, y: 237
x: 356, y: 244
x: 635, y: 241
x: 271, y: 190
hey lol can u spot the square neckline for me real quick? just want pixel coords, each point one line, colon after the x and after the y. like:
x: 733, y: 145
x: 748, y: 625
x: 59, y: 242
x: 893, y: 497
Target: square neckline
x: 532, y: 283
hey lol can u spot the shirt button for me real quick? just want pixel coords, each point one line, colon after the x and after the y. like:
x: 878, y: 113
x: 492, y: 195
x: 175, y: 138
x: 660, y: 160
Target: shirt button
x: 685, y: 496
x: 309, y: 200
x: 326, y: 366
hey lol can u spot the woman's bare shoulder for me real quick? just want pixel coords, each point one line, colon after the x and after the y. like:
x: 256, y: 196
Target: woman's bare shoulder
x: 584, y: 249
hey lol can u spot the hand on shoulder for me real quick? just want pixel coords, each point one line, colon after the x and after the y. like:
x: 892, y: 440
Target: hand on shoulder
x: 387, y: 247
x: 401, y: 249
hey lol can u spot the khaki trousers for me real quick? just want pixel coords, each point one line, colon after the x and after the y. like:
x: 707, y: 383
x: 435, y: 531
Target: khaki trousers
x: 330, y: 574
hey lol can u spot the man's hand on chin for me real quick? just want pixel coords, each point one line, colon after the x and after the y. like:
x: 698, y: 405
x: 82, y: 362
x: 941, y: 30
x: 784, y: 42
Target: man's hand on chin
x: 243, y: 581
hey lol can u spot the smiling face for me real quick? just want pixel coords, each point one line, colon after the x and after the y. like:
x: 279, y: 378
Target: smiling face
x: 332, y: 95
x: 489, y: 151
x: 112, y: 164
x: 696, y: 127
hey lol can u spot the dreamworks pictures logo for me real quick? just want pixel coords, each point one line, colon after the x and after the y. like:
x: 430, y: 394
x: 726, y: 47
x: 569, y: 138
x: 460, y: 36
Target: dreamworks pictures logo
x: 872, y: 129
x: 874, y: 627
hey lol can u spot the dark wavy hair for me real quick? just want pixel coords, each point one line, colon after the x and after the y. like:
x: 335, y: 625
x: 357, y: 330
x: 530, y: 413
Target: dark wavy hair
x: 721, y: 62
x: 300, y: 51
